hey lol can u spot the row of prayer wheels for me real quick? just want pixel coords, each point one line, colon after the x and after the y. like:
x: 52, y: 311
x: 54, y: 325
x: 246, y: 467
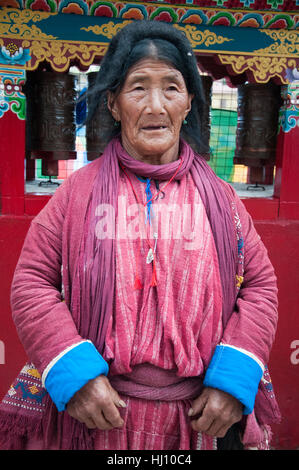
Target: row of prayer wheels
x: 51, y: 122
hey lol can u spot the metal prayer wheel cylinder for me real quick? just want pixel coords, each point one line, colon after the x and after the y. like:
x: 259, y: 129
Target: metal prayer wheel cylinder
x: 97, y: 127
x: 93, y: 140
x: 207, y: 83
x: 50, y: 167
x: 258, y: 108
x: 50, y: 115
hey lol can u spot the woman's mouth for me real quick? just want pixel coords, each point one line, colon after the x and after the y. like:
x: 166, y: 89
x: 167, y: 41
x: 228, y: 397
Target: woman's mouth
x: 153, y: 128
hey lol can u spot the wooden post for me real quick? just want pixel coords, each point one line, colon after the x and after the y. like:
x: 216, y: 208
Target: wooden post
x: 12, y: 138
x: 287, y: 163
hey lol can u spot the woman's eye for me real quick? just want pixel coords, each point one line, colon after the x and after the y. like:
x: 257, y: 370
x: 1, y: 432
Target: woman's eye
x: 172, y: 88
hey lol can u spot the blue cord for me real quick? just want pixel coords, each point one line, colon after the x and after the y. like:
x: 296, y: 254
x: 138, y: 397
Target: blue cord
x: 148, y: 195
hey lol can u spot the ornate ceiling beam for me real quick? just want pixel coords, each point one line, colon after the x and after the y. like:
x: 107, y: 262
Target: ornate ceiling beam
x: 28, y: 38
x: 244, y: 13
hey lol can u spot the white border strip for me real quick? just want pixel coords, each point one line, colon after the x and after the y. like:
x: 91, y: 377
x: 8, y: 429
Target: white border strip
x: 57, y: 358
x: 248, y: 353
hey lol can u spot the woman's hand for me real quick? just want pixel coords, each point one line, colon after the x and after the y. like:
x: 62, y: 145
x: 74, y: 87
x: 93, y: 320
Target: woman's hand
x: 218, y: 412
x: 96, y: 404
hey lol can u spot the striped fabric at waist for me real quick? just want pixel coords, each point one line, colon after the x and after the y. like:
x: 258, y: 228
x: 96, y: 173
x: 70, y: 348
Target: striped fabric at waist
x: 153, y: 383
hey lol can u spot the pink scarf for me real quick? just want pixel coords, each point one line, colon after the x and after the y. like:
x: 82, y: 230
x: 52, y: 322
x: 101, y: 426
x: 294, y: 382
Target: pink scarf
x: 98, y: 257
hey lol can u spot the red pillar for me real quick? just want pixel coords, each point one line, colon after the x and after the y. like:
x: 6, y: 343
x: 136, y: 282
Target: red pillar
x: 12, y: 141
x: 287, y: 162
x: 12, y: 135
x: 13, y: 229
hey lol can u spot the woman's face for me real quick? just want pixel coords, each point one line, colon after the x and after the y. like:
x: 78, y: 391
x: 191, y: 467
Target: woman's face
x: 151, y: 107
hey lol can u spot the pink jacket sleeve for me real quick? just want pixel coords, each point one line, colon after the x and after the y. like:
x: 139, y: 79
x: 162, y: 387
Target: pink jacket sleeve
x: 253, y: 324
x: 43, y: 321
x: 238, y: 363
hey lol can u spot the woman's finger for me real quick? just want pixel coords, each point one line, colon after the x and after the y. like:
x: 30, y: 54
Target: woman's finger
x: 198, y: 405
x: 90, y: 423
x: 221, y: 432
x: 97, y: 403
x: 101, y: 421
x: 80, y: 415
x: 217, y: 429
x: 112, y: 414
x: 117, y: 400
x: 203, y: 423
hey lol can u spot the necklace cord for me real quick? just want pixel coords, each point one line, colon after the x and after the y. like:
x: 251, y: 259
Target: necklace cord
x: 137, y: 283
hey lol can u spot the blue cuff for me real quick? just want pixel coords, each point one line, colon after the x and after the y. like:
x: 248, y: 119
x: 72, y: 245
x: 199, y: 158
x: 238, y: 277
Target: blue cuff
x: 72, y: 371
x: 236, y: 373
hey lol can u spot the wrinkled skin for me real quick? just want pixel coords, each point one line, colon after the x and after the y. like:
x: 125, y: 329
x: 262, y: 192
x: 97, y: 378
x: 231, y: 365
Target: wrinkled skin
x: 97, y: 405
x: 151, y: 107
x: 217, y: 411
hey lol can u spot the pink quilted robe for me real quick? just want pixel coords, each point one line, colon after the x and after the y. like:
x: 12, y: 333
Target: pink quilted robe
x: 188, y: 339
x: 174, y: 326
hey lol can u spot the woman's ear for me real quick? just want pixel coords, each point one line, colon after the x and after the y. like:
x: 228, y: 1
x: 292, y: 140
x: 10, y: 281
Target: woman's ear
x: 190, y: 98
x: 112, y: 105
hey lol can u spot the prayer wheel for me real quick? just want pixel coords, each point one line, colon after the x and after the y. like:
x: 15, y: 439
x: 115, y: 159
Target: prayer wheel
x: 50, y: 118
x: 258, y: 108
x: 30, y: 170
x: 97, y: 127
x: 207, y: 83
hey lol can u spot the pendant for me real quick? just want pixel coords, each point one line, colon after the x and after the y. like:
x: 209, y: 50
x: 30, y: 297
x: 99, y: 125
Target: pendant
x: 150, y: 256
x: 156, y: 238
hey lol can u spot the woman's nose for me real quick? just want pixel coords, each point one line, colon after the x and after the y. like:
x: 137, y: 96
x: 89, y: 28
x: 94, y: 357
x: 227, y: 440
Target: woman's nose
x: 155, y: 101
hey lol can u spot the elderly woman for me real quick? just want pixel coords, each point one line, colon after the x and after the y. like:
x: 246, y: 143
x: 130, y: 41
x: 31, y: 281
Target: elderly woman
x: 143, y: 295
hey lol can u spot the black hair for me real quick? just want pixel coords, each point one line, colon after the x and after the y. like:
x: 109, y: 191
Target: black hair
x: 136, y: 41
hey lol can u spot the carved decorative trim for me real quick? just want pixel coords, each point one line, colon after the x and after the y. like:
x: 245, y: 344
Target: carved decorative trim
x: 11, y: 96
x: 18, y: 23
x: 286, y: 43
x: 206, y: 37
x: 60, y: 54
x: 108, y: 30
x: 261, y: 67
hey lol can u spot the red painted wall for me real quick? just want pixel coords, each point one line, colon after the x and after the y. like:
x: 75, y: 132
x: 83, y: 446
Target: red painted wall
x: 282, y: 241
x: 12, y: 234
